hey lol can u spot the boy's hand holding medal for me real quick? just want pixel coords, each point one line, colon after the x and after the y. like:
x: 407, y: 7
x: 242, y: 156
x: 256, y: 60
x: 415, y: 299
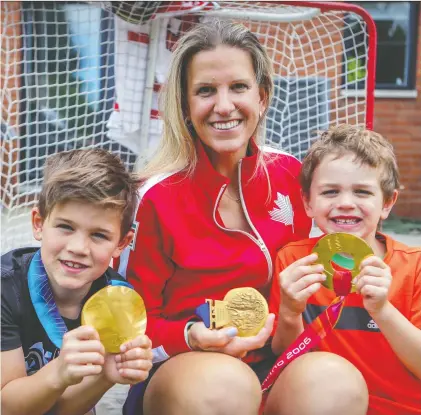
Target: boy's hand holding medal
x: 373, y: 283
x: 118, y: 315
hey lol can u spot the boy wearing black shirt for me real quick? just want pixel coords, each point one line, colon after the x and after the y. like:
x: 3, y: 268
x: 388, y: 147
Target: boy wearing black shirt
x: 50, y: 363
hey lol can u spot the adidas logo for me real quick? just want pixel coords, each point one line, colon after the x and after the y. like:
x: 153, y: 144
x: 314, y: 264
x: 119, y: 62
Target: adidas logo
x: 372, y: 325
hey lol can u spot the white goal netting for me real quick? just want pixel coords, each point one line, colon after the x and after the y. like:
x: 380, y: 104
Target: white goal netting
x: 80, y: 74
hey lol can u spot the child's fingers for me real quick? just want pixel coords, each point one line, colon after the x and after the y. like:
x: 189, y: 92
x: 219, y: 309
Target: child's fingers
x: 291, y: 276
x: 306, y: 281
x: 133, y: 354
x: 80, y: 371
x: 371, y: 280
x: 382, y: 274
x: 306, y: 293
x: 82, y: 333
x: 294, y: 291
x: 138, y: 364
x: 307, y: 260
x: 139, y: 341
x: 134, y: 376
x: 373, y: 291
x: 290, y: 272
x: 303, y: 271
x: 83, y: 346
x: 84, y: 358
x: 375, y: 271
x: 374, y: 261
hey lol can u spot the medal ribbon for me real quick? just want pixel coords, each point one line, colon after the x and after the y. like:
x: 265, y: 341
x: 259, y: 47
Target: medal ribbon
x: 43, y: 300
x: 315, y: 332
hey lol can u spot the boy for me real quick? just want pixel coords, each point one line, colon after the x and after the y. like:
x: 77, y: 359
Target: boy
x: 349, y: 183
x: 51, y: 364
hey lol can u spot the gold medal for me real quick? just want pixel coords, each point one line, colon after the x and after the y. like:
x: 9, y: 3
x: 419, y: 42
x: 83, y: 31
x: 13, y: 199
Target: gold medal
x: 345, y: 250
x: 245, y: 308
x: 117, y: 313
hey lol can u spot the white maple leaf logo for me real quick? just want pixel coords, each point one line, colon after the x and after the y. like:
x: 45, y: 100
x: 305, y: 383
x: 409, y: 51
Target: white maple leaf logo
x: 283, y: 212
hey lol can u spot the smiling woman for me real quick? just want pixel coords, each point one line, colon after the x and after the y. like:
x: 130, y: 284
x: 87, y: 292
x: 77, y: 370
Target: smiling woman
x: 224, y: 101
x: 215, y: 206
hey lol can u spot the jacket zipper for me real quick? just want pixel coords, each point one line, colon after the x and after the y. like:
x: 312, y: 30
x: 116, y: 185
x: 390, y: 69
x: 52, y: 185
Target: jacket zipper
x: 259, y: 241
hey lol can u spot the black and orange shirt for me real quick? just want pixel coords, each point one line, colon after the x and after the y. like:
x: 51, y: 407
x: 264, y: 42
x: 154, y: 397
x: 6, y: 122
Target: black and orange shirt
x: 393, y: 389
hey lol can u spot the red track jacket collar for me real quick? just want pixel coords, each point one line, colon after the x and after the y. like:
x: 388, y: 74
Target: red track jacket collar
x: 211, y: 182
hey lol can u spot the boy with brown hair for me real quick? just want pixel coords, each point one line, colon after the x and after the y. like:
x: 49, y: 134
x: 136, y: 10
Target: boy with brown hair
x: 349, y: 182
x: 50, y: 363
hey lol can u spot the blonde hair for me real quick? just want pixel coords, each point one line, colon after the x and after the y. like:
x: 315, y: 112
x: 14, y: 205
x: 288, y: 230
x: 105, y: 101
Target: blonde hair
x: 89, y: 175
x: 369, y: 148
x: 177, y: 148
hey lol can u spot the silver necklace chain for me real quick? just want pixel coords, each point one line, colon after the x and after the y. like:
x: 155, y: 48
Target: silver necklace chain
x: 238, y: 200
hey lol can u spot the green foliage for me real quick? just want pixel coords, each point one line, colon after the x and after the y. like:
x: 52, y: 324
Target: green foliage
x: 355, y: 69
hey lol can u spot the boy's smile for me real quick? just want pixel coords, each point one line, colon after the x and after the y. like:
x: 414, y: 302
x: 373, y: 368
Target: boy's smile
x: 345, y: 196
x: 78, y: 241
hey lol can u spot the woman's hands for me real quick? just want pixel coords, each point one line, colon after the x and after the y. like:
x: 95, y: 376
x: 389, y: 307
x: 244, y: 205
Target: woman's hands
x: 226, y: 340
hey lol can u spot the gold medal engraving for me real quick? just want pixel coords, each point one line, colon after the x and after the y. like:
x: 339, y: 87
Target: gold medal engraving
x: 219, y: 314
x: 117, y: 313
x: 353, y: 249
x: 245, y: 308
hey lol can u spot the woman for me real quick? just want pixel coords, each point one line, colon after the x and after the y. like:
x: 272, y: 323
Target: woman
x: 214, y: 210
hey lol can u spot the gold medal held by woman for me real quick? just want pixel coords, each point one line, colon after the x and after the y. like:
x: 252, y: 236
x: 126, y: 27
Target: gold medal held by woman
x: 118, y: 314
x: 244, y: 308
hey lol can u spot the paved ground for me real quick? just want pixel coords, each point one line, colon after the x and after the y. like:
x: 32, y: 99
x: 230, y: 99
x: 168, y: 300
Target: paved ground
x: 112, y: 402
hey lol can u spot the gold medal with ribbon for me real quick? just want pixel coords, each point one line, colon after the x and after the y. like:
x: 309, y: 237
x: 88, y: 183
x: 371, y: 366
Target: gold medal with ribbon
x: 244, y: 308
x: 118, y: 314
x: 340, y: 252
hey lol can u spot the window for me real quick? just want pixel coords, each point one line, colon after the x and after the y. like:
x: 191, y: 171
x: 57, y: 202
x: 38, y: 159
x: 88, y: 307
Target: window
x: 396, y: 24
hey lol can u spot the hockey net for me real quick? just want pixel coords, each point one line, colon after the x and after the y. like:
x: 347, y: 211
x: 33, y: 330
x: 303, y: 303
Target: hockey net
x: 80, y: 74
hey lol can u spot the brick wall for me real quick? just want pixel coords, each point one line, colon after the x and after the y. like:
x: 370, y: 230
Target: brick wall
x: 399, y: 120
